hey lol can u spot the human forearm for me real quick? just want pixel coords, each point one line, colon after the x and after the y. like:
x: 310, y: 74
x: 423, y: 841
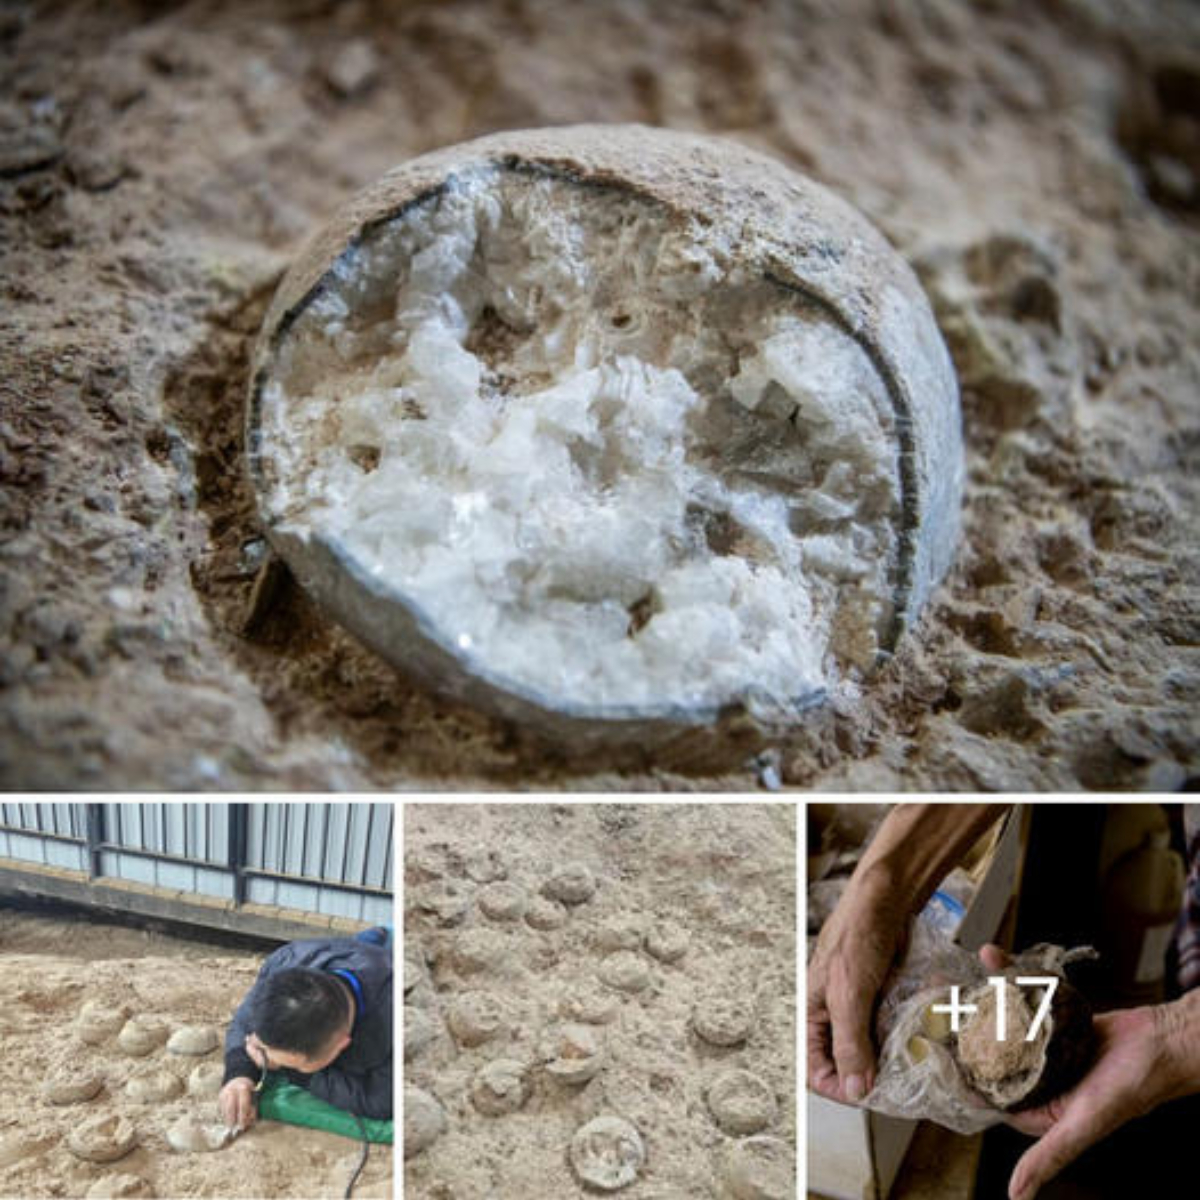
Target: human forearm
x: 917, y: 846
x: 367, y: 1095
x: 1179, y: 1033
x: 913, y: 850
x: 238, y: 1064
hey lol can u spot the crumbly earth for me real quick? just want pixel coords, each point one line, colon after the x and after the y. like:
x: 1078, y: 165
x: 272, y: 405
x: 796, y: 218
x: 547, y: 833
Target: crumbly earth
x: 49, y: 969
x: 723, y: 874
x: 1038, y: 164
x: 989, y: 1057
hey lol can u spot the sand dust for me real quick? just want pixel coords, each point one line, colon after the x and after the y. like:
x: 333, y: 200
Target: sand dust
x: 50, y: 969
x: 673, y: 968
x: 159, y: 166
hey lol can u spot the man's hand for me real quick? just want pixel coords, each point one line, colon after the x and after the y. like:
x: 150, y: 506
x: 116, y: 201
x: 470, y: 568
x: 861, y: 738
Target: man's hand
x: 853, y: 956
x: 256, y: 1050
x: 236, y: 1103
x: 1124, y: 1083
x: 1140, y: 1063
x: 914, y: 848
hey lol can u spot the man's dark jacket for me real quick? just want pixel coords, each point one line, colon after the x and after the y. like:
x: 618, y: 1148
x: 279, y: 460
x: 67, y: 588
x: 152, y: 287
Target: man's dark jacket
x: 359, y: 1080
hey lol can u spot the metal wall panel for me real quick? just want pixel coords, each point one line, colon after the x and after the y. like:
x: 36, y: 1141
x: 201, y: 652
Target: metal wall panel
x: 197, y: 832
x: 316, y: 848
x: 337, y: 843
x: 50, y: 827
x: 64, y: 820
x: 334, y: 859
x: 315, y: 899
x: 38, y: 849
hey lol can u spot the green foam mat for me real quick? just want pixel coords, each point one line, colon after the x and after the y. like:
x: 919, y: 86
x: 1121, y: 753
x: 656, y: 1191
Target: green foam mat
x: 283, y: 1101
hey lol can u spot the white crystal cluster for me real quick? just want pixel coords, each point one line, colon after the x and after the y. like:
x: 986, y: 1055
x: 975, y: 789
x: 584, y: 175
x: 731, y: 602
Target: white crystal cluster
x: 610, y: 465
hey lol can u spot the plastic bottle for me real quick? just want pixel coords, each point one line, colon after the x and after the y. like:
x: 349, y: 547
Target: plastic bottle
x: 948, y: 905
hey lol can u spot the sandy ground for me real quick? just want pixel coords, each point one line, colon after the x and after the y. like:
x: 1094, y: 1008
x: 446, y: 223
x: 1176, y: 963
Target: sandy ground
x: 725, y: 874
x: 1038, y: 163
x: 48, y: 970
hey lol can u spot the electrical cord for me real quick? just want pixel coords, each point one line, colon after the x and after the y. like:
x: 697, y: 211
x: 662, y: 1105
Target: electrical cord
x: 362, y: 1129
x: 362, y: 1161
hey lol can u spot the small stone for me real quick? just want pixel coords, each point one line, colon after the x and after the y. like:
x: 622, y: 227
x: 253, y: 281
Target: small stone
x: 415, y: 970
x: 96, y: 1023
x: 500, y: 1087
x: 607, y: 1154
x: 424, y: 1121
x: 443, y: 899
x: 987, y: 1057
x: 153, y: 1086
x: 67, y: 1086
x: 26, y: 143
x: 501, y: 901
x: 769, y: 766
x: 1015, y: 1073
x: 741, y: 1103
x: 140, y: 1035
x: 667, y: 941
x: 431, y: 863
x: 119, y: 1187
x: 625, y: 971
x: 486, y: 866
x: 353, y: 68
x: 206, y: 1079
x: 545, y: 914
x: 722, y: 1021
x: 94, y: 170
x: 419, y: 1030
x: 1171, y: 180
x: 759, y: 1168
x: 574, y: 1054
x: 189, y: 1136
x: 254, y: 554
x: 102, y: 1139
x: 622, y: 932
x: 571, y: 884
x: 475, y: 1018
x: 478, y: 950
x: 193, y: 1039
x: 586, y: 1002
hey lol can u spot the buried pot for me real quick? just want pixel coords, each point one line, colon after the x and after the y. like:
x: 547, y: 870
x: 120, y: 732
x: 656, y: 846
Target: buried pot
x: 610, y: 431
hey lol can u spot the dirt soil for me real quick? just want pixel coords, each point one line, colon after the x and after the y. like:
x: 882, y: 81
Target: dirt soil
x: 1039, y: 165
x: 723, y: 876
x: 49, y: 969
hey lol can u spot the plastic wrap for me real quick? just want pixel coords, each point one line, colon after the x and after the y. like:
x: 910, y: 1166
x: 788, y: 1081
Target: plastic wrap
x: 920, y: 1076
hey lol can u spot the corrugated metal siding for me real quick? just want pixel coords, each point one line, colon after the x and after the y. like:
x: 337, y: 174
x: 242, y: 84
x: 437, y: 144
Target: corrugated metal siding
x: 325, y: 858
x: 190, y: 834
x: 318, y: 847
x: 194, y: 831
x: 68, y: 821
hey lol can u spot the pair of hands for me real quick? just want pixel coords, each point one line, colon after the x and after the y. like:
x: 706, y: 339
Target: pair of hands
x: 1136, y: 1066
x: 236, y: 1099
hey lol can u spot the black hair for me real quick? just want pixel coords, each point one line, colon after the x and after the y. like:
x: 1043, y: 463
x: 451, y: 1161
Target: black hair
x: 299, y: 1010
